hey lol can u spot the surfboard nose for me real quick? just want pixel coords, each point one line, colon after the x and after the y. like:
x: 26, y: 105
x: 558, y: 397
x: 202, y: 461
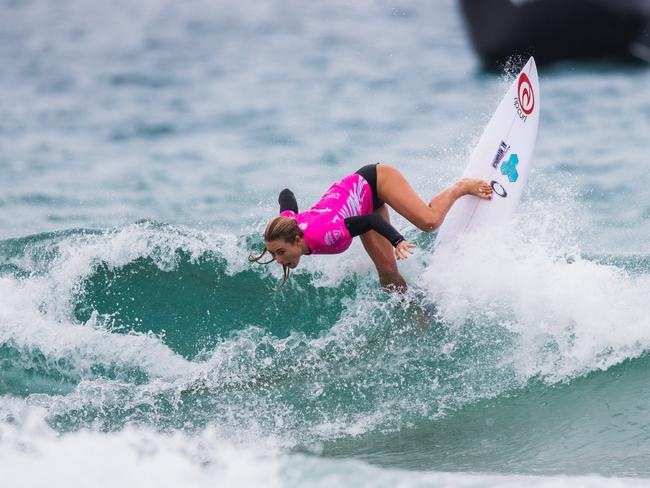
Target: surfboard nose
x: 502, y: 157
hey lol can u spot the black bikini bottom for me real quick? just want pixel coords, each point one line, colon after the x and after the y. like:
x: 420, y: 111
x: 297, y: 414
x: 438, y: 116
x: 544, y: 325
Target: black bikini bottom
x: 369, y: 173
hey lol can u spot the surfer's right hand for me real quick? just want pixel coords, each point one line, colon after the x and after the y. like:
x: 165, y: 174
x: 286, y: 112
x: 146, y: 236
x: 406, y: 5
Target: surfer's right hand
x: 478, y: 188
x: 403, y: 249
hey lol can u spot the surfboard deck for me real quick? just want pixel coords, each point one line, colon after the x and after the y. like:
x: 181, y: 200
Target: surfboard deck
x: 502, y: 157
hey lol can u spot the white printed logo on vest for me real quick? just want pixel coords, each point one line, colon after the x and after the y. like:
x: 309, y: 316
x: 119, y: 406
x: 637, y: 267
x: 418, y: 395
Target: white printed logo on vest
x: 352, y: 207
x: 332, y: 236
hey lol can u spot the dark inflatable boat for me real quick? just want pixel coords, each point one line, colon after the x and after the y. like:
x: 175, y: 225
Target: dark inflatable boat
x: 553, y: 30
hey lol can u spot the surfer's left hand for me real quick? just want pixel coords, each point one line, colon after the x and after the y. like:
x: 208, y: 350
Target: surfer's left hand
x: 403, y: 249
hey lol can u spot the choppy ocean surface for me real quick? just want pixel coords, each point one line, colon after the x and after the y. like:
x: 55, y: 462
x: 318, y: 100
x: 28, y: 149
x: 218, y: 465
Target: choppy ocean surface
x: 142, y: 147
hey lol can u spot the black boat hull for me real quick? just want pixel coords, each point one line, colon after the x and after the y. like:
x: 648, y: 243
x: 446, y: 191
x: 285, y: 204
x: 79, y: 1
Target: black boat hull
x: 553, y: 30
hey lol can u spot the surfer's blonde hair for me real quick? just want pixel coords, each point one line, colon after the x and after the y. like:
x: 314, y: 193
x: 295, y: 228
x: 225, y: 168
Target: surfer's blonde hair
x: 284, y: 228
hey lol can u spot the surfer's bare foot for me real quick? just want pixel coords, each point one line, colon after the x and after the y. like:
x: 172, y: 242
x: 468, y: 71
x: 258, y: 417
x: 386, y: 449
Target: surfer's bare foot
x: 478, y: 188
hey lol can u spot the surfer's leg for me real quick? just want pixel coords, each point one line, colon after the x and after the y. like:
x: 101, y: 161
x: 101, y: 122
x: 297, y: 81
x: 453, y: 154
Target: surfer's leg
x: 383, y: 256
x: 393, y: 188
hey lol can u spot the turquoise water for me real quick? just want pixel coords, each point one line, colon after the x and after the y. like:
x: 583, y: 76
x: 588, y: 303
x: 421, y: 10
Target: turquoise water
x: 142, y: 150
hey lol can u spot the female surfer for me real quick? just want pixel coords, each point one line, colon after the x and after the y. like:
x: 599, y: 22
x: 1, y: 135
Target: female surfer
x: 356, y: 206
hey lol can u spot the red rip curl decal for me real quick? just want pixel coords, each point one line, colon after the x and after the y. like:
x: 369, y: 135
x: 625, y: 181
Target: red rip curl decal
x: 525, y: 95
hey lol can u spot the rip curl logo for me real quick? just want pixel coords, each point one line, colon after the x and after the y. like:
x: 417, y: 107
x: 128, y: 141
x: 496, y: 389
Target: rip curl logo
x: 525, y: 101
x: 525, y: 94
x: 332, y: 194
x: 509, y: 168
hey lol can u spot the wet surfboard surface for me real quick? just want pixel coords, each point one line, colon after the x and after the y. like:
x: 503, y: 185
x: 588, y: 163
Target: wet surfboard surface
x: 502, y: 157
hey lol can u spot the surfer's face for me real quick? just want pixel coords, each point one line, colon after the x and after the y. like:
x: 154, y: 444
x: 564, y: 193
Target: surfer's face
x: 285, y: 253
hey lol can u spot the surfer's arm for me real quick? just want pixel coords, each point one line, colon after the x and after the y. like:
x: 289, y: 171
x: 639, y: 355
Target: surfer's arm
x: 363, y: 223
x: 287, y: 201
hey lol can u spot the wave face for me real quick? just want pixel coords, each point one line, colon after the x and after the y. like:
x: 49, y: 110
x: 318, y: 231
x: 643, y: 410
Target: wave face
x: 170, y: 329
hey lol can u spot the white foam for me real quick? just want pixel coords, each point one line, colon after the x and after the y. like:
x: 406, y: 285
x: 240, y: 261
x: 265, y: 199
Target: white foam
x: 571, y: 315
x: 131, y: 457
x: 145, y: 458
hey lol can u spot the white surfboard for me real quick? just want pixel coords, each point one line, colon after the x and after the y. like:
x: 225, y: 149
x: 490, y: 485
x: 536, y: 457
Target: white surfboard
x: 502, y: 157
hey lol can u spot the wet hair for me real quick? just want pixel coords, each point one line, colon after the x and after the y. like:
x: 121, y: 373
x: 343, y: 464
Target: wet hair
x: 284, y: 228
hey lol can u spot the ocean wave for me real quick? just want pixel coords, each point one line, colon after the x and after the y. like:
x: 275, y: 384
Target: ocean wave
x: 151, y: 458
x: 164, y: 326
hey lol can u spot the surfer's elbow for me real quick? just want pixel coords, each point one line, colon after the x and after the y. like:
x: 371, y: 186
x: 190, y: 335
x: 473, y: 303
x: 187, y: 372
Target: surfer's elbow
x: 429, y: 224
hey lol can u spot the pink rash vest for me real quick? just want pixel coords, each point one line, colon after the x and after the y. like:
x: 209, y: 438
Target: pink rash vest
x: 323, y: 224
